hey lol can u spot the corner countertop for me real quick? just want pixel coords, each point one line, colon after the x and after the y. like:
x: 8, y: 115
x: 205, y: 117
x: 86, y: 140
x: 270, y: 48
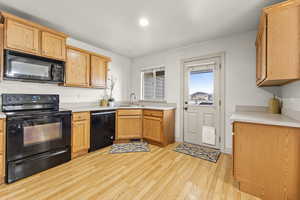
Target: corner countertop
x: 2, y: 115
x: 85, y: 108
x: 264, y: 118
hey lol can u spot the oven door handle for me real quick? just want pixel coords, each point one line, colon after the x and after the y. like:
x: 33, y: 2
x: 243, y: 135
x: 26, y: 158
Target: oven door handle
x: 46, y: 155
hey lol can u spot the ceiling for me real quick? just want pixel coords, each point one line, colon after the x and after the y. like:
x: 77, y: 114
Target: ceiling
x: 113, y: 24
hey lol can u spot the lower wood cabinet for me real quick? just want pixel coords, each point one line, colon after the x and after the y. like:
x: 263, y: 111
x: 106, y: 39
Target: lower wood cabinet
x: 152, y: 128
x: 159, y: 126
x: 266, y: 160
x: 155, y: 126
x: 80, y: 133
x: 129, y: 124
x: 2, y: 150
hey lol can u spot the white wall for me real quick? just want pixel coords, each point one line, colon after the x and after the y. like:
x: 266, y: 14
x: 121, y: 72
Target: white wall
x: 120, y: 68
x: 291, y: 100
x: 240, y: 86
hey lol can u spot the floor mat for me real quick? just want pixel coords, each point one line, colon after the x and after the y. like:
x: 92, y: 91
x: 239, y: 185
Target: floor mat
x: 198, y: 151
x: 129, y: 147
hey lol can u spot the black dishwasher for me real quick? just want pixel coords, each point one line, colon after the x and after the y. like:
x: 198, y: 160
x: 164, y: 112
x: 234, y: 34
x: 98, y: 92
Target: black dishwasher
x: 102, y: 129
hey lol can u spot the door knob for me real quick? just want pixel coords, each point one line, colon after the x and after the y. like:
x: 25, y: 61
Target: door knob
x: 185, y: 108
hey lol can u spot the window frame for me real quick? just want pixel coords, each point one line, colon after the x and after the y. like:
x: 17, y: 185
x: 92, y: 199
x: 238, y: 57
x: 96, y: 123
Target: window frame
x: 153, y: 70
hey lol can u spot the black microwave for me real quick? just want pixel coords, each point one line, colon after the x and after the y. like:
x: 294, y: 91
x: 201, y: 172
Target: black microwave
x: 25, y: 67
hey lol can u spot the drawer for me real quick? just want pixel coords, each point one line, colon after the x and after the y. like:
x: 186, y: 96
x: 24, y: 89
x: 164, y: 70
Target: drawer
x: 153, y: 113
x: 127, y: 112
x: 81, y: 116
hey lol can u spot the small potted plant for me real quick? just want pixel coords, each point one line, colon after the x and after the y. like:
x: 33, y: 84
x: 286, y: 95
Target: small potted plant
x: 111, y: 85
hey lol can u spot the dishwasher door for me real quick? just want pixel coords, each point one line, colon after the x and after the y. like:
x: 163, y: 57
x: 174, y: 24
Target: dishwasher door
x: 102, y: 129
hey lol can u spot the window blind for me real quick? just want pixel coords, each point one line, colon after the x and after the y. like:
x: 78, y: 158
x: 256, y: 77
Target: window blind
x: 153, y: 86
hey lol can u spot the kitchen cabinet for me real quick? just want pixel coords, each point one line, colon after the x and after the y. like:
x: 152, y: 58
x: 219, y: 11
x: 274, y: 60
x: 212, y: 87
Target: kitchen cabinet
x: 21, y: 37
x: 129, y: 124
x: 98, y: 72
x: 155, y: 126
x: 277, y: 44
x: 80, y: 133
x: 152, y: 128
x: 266, y: 160
x: 77, y: 68
x: 53, y: 46
x: 28, y: 37
x: 85, y: 69
x: 158, y: 126
x: 2, y: 150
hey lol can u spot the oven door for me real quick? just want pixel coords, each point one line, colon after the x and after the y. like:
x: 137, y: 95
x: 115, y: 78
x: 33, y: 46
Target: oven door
x: 37, y: 134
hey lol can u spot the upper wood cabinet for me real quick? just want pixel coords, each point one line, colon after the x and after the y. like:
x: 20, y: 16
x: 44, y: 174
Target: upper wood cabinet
x: 21, y: 37
x: 77, y: 68
x: 53, y: 46
x: 28, y: 37
x: 98, y: 72
x: 85, y: 69
x: 278, y: 45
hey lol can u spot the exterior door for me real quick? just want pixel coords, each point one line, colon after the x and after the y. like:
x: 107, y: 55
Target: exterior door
x: 202, y: 102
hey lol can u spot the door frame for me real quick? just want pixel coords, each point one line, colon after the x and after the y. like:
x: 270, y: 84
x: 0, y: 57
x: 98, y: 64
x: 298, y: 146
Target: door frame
x: 221, y: 56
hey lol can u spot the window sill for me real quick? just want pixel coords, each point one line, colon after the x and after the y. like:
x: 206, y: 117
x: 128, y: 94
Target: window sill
x: 153, y: 101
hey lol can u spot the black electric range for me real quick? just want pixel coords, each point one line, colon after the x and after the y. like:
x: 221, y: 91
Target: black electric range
x: 38, y: 134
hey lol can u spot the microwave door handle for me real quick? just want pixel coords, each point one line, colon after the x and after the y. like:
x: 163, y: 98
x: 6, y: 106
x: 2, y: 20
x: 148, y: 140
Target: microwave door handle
x: 51, y: 71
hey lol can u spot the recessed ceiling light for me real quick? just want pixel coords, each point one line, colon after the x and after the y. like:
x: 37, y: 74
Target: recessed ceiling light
x: 144, y: 22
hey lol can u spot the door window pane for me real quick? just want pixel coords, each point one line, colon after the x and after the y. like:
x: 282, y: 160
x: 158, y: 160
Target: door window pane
x: 201, y: 87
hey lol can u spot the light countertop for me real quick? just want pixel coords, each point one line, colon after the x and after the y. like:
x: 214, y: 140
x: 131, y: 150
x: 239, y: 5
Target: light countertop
x: 2, y: 115
x: 83, y: 108
x: 264, y: 118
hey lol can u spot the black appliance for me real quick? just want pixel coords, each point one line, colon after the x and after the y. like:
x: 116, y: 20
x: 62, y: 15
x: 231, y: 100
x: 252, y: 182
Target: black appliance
x: 25, y: 67
x: 38, y: 134
x: 102, y: 129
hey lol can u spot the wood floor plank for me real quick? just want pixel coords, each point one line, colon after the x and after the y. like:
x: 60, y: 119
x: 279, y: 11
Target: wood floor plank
x: 159, y: 174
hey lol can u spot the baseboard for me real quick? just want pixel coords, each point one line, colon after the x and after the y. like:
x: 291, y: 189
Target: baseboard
x: 227, y: 150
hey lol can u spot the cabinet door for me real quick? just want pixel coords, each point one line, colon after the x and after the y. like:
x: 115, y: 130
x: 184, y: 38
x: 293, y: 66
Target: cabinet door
x: 129, y: 127
x: 261, y: 52
x: 77, y: 68
x: 21, y: 37
x: 152, y: 128
x: 2, y: 151
x: 80, y: 136
x: 53, y: 46
x: 260, y: 152
x: 98, y: 72
x: 284, y: 43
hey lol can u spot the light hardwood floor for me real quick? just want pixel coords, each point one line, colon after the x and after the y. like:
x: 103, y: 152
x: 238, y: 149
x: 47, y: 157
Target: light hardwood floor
x: 160, y: 174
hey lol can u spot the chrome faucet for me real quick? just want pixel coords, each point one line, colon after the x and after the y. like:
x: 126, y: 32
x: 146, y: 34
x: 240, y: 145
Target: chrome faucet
x: 132, y: 97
